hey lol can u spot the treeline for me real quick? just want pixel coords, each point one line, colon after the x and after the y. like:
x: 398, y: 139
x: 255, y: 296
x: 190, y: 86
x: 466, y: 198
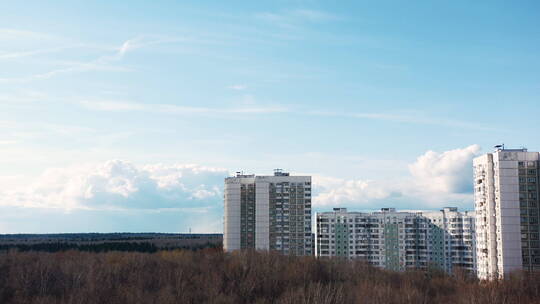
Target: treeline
x: 98, y: 247
x: 211, y: 276
x: 145, y: 247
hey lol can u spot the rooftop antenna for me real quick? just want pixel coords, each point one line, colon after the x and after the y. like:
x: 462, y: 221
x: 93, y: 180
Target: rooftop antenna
x: 499, y: 147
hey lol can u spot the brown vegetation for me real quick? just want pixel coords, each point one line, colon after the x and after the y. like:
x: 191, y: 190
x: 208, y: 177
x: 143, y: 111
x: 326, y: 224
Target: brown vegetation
x: 210, y: 276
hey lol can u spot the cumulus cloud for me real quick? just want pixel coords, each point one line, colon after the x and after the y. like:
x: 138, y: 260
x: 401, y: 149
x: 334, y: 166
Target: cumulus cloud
x: 339, y: 192
x: 117, y: 184
x: 447, y: 172
x: 435, y: 180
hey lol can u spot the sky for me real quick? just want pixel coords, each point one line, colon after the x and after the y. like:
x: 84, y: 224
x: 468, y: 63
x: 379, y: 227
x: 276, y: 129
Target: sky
x: 128, y: 115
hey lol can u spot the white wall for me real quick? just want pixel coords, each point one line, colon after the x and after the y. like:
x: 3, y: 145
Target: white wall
x: 231, y: 229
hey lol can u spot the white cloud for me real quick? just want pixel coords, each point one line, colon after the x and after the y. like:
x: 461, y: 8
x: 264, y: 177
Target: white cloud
x: 112, y: 105
x: 16, y: 34
x: 119, y: 184
x: 409, y: 118
x: 436, y: 179
x: 313, y: 15
x: 145, y: 41
x: 102, y: 63
x: 338, y: 192
x: 118, y: 106
x: 447, y: 172
x: 292, y: 19
x: 238, y: 87
x: 7, y: 142
x: 250, y: 106
x: 20, y: 54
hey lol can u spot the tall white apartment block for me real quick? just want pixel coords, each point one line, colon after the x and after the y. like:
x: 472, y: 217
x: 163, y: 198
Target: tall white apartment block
x: 399, y: 240
x: 268, y: 213
x: 506, y: 197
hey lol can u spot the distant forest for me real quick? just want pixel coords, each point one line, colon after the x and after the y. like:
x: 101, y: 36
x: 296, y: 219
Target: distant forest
x: 104, y: 242
x: 103, y: 247
x: 212, y: 276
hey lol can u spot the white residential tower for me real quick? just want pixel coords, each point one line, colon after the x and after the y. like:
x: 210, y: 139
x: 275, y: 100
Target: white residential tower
x: 507, y: 216
x: 268, y: 213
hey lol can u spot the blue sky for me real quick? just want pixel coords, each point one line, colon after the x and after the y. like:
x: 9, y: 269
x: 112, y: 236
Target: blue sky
x: 126, y: 116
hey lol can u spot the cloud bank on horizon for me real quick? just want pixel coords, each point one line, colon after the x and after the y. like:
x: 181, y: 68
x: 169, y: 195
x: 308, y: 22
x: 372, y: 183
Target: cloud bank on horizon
x: 435, y: 180
x: 118, y: 185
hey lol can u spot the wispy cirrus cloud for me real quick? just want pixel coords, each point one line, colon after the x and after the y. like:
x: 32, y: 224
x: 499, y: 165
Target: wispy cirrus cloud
x: 295, y: 18
x: 22, y: 54
x: 408, y: 118
x: 7, y: 34
x: 250, y: 106
x: 121, y: 106
x: 237, y: 87
x: 146, y: 41
x: 314, y: 15
x: 106, y: 62
x: 13, y: 132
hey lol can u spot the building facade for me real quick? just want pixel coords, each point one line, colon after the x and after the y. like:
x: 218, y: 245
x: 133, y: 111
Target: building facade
x: 268, y: 213
x: 506, y: 196
x: 399, y: 240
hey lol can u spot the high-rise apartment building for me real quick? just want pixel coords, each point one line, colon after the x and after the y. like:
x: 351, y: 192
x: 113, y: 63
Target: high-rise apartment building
x: 399, y: 240
x: 268, y: 213
x: 506, y: 196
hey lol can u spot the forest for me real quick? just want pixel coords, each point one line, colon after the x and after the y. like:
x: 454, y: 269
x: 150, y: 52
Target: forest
x: 211, y: 276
